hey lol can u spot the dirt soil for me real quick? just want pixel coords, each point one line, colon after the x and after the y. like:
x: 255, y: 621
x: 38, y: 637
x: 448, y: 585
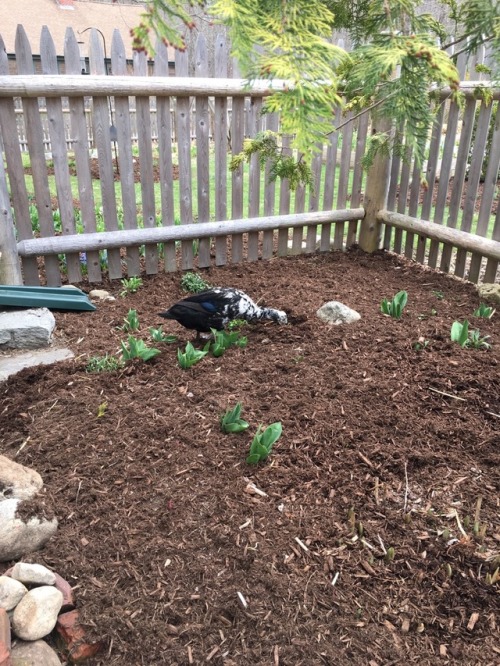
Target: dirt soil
x: 358, y: 546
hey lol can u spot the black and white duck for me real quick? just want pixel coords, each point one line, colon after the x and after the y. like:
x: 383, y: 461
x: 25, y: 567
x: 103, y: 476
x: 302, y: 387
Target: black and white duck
x: 215, y: 308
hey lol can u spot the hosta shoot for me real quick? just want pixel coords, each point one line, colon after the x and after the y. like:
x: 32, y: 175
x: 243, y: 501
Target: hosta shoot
x: 190, y: 356
x: 460, y: 333
x: 232, y: 422
x: 395, y: 307
x: 263, y: 443
x: 225, y: 339
x: 484, y: 311
x: 137, y: 348
x: 131, y: 321
x: 157, y: 335
x: 130, y: 285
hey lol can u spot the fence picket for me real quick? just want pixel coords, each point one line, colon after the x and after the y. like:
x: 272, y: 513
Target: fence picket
x: 101, y: 123
x: 392, y: 194
x: 254, y: 180
x: 34, y: 133
x: 15, y: 170
x: 489, y: 187
x: 413, y: 207
x: 182, y: 116
x: 202, y: 151
x: 59, y: 154
x: 146, y: 161
x: 483, y: 125
x: 345, y: 168
x: 220, y: 138
x: 164, y: 126
x: 329, y: 184
x: 125, y: 159
x: 459, y: 177
x: 79, y: 132
x: 357, y: 179
x: 283, y: 234
x: 272, y: 124
x: 492, y: 265
x: 237, y: 176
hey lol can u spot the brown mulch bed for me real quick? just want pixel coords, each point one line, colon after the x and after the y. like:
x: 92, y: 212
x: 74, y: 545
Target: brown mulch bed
x: 383, y: 447
x: 94, y: 171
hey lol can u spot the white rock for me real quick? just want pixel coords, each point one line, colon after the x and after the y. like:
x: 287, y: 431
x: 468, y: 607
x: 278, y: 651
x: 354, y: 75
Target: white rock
x: 489, y: 292
x: 18, y: 537
x: 36, y: 614
x: 31, y: 574
x: 337, y: 313
x: 35, y: 653
x: 17, y: 481
x: 11, y: 592
x: 101, y: 294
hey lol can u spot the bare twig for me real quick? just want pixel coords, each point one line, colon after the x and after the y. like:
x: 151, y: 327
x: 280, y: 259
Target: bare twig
x: 406, y: 487
x: 448, y: 395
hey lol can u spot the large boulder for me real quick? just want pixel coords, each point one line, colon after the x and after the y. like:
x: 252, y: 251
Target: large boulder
x: 19, y: 536
x: 17, y: 481
x: 26, y: 329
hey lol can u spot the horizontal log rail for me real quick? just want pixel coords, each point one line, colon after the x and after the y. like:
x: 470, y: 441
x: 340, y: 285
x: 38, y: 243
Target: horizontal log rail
x: 461, y: 239
x: 70, y: 85
x: 133, y: 237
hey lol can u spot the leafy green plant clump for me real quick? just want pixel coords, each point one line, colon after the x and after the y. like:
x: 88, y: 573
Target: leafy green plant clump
x: 157, y: 335
x: 106, y: 363
x: 395, y: 307
x: 484, y: 311
x: 263, y: 443
x: 190, y: 356
x: 130, y: 285
x: 136, y: 348
x: 193, y: 283
x: 460, y: 333
x: 225, y: 339
x: 232, y: 422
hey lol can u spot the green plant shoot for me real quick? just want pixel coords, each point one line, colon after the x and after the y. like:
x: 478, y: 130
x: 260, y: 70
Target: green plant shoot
x: 484, y: 311
x: 395, y: 307
x: 157, y: 335
x: 232, y: 422
x: 131, y: 321
x: 263, y: 442
x: 193, y: 283
x: 106, y: 363
x: 190, y: 356
x: 225, y: 339
x: 460, y: 333
x: 136, y: 348
x: 130, y: 285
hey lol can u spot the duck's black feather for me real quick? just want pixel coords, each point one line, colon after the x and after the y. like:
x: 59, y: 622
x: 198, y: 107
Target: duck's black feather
x: 215, y: 308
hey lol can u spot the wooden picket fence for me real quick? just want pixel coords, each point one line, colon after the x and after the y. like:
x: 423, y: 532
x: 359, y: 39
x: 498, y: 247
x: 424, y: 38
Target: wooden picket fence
x: 134, y: 232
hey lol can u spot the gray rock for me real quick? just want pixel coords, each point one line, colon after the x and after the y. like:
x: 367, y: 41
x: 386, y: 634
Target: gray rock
x: 11, y: 592
x: 17, y: 481
x: 26, y: 329
x: 13, y: 363
x: 33, y: 574
x: 35, y: 653
x: 337, y: 313
x: 18, y: 537
x: 489, y: 292
x: 36, y: 614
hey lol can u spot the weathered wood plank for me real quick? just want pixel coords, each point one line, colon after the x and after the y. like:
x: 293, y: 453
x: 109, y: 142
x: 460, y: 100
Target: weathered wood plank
x: 345, y: 169
x: 459, y: 177
x: 492, y: 263
x: 220, y: 138
x: 254, y: 181
x: 101, y: 123
x: 164, y: 126
x: 10, y: 265
x: 413, y: 207
x: 478, y: 153
x: 125, y: 238
x: 272, y: 123
x: 184, y: 154
x: 489, y: 187
x: 8, y: 129
x: 202, y: 151
x: 298, y: 232
x: 146, y: 161
x: 404, y: 186
x: 59, y: 154
x: 329, y: 185
x: 34, y: 134
x: 79, y: 133
x: 125, y: 158
x: 357, y: 179
x: 237, y: 176
x: 284, y: 201
x: 393, y: 186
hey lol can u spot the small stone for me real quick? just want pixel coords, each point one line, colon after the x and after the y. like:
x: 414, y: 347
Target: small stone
x: 337, y: 313
x: 36, y: 614
x: 17, y: 481
x: 35, y: 574
x: 35, y: 653
x: 73, y: 634
x: 17, y: 536
x: 11, y: 592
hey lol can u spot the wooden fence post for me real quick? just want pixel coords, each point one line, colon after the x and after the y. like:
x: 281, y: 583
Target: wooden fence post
x: 377, y: 188
x: 10, y: 268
